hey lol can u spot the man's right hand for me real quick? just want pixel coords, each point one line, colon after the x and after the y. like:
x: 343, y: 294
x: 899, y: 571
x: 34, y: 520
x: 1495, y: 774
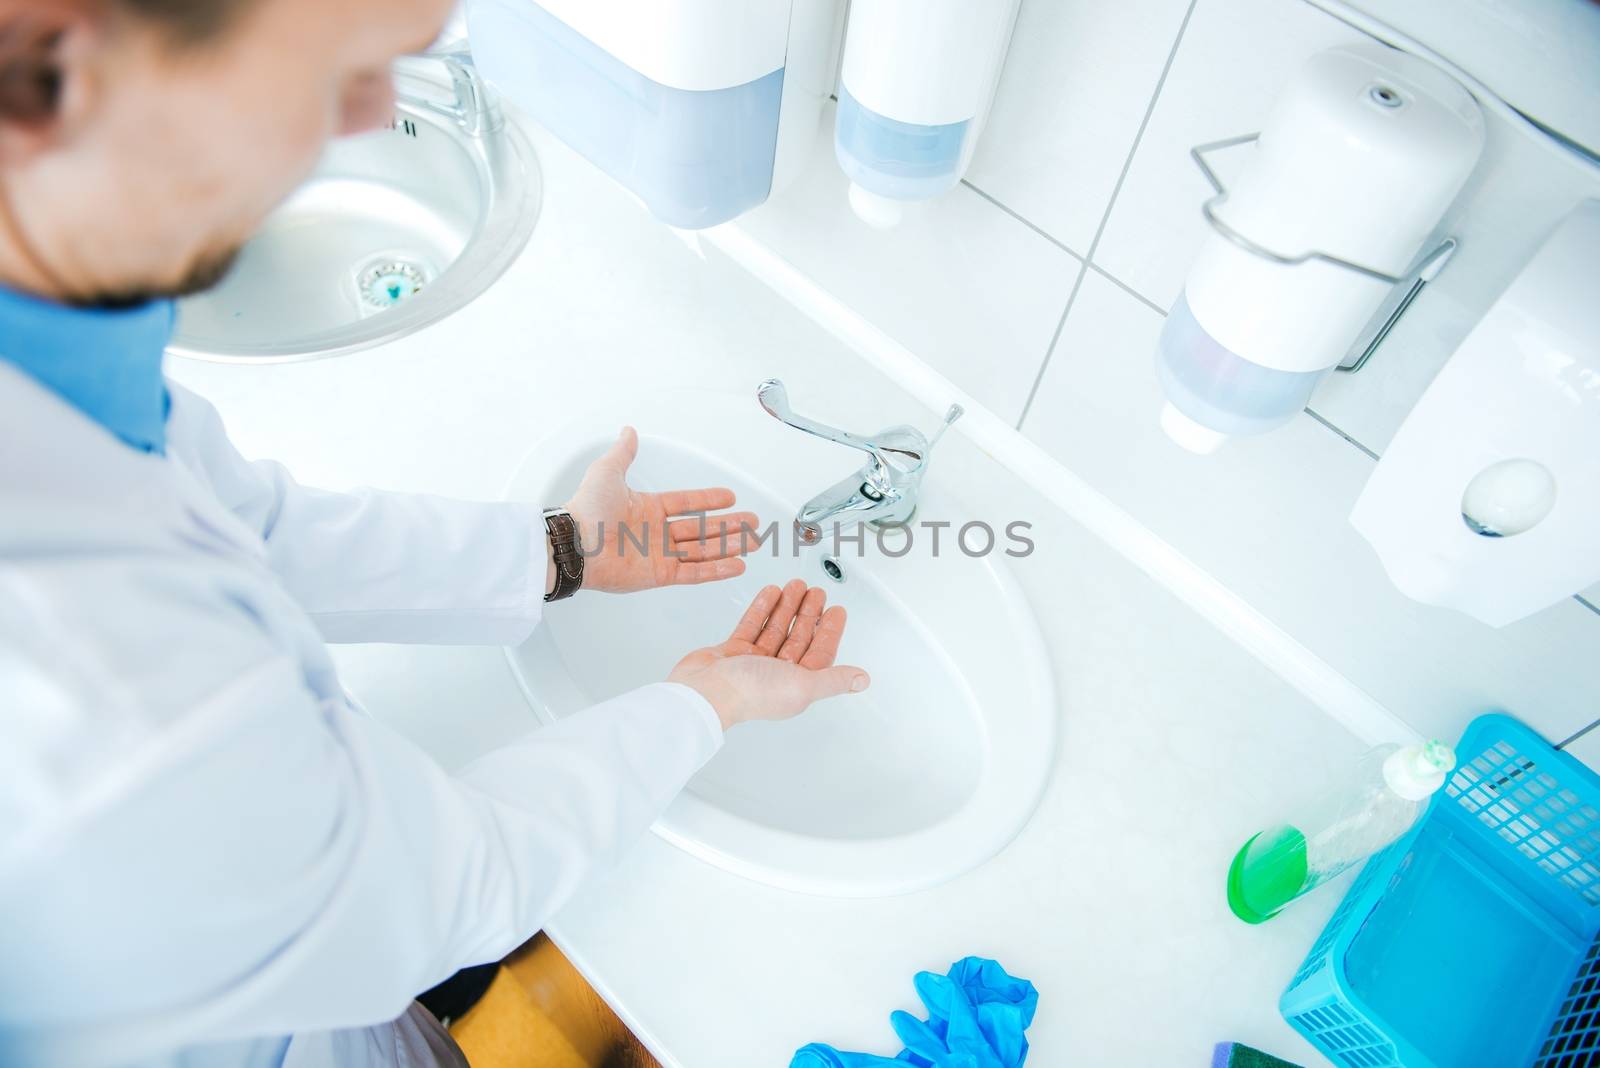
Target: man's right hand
x: 778, y: 660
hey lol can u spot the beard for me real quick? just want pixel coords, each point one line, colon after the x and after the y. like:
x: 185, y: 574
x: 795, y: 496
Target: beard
x: 205, y: 272
x: 207, y: 269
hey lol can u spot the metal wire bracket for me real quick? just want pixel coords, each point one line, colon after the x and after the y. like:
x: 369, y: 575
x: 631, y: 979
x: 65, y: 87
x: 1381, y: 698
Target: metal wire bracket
x: 1424, y: 271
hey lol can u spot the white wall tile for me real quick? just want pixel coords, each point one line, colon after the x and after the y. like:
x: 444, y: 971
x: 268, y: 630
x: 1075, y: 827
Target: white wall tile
x: 974, y: 292
x: 977, y: 294
x: 1077, y: 82
x: 1541, y: 57
x: 1520, y: 191
x: 1234, y: 58
x: 1268, y: 517
x: 1587, y: 748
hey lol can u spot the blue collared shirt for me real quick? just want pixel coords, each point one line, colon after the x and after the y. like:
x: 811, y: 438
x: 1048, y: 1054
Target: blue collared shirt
x: 105, y: 363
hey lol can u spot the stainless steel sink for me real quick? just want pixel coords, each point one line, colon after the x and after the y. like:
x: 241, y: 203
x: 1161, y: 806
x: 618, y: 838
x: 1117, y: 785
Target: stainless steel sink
x: 394, y: 230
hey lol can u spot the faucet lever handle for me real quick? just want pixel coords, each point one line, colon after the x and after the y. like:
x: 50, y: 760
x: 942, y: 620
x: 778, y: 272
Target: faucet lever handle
x: 954, y: 412
x: 775, y: 399
x: 897, y: 448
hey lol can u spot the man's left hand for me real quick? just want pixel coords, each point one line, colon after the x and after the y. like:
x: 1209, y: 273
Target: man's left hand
x: 614, y: 520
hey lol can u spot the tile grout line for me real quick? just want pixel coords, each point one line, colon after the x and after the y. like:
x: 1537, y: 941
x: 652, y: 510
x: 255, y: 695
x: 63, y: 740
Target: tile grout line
x: 1144, y: 124
x: 1105, y: 219
x: 1061, y: 324
x: 1583, y: 731
x: 1319, y: 417
x: 1126, y: 288
x: 1025, y: 222
x: 1368, y: 452
x: 1086, y: 263
x: 1116, y: 191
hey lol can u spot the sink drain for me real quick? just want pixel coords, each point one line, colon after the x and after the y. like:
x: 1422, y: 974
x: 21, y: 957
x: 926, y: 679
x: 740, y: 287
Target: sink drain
x: 386, y: 282
x: 833, y: 569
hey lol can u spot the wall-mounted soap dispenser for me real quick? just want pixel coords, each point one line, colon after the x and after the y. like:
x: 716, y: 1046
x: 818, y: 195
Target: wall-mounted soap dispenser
x: 702, y: 108
x: 916, y: 86
x: 1345, y: 185
x: 1488, y: 499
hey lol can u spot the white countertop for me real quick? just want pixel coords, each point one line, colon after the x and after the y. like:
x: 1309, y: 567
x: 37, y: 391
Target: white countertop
x: 1175, y: 743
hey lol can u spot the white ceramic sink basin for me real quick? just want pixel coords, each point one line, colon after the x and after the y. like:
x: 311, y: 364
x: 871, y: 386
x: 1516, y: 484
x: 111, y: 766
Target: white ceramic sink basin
x: 927, y: 775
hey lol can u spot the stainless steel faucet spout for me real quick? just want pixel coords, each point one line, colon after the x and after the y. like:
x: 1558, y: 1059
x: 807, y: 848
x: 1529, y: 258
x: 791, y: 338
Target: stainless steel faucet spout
x: 883, y: 492
x: 473, y: 107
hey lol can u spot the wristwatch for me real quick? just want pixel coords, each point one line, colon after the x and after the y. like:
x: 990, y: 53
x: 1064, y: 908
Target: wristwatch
x: 565, y: 551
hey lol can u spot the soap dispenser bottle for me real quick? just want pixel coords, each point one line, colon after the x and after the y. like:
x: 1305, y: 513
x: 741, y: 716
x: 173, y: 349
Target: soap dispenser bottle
x: 1383, y: 801
x: 915, y: 87
x: 1353, y: 171
x: 702, y: 109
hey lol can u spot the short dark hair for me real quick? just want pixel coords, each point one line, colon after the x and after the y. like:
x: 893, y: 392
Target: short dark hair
x: 189, y: 21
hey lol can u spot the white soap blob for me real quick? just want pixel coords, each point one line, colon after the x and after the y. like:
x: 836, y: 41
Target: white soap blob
x: 1507, y: 498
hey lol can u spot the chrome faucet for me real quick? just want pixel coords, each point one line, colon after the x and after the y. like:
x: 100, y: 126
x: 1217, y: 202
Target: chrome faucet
x: 884, y: 492
x: 473, y: 107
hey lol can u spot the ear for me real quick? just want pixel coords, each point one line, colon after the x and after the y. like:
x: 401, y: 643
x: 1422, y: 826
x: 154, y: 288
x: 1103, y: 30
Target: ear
x: 46, y: 51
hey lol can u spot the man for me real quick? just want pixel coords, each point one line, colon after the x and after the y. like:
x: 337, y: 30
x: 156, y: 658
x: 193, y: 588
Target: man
x: 207, y: 856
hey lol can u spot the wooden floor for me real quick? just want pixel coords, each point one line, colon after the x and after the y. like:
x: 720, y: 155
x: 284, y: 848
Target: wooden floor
x: 539, y: 1013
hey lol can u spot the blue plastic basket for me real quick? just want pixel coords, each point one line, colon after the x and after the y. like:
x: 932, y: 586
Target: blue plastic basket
x: 1472, y: 940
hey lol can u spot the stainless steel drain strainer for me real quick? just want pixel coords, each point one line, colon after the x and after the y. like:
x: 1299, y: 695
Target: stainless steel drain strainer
x: 388, y: 281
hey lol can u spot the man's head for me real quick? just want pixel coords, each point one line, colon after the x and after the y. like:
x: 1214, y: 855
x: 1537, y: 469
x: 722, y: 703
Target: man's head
x: 142, y: 141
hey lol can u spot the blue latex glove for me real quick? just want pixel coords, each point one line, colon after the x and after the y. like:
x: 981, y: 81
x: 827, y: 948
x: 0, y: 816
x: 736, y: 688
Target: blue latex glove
x: 976, y: 1018
x: 819, y: 1056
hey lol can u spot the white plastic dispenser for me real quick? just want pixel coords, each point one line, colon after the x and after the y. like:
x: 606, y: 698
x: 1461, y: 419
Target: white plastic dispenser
x: 702, y: 108
x: 915, y: 89
x: 1336, y: 204
x: 1488, y: 499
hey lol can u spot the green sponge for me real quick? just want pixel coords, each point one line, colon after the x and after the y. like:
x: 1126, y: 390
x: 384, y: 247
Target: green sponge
x: 1238, y: 1055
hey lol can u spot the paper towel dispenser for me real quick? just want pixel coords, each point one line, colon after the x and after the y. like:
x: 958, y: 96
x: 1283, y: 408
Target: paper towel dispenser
x: 1488, y: 500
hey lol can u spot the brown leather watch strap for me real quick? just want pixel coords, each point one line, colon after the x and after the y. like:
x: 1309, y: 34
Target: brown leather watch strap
x: 565, y: 550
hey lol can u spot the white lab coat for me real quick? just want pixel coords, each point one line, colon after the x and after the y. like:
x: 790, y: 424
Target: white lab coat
x: 204, y: 847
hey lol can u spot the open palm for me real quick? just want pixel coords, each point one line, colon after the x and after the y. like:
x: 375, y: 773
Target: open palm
x: 638, y: 541
x: 778, y: 660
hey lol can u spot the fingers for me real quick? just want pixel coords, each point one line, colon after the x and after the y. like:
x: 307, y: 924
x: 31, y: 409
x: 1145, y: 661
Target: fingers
x: 713, y: 537
x: 824, y: 645
x: 755, y: 617
x: 687, y: 502
x: 831, y: 682
x: 622, y: 451
x: 804, y: 626
x: 691, y: 573
x: 777, y: 628
x: 713, y: 549
x: 709, y: 527
x: 792, y: 625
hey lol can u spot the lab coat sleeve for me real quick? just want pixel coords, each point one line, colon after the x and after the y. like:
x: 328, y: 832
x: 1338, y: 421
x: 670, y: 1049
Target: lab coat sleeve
x: 460, y: 870
x: 373, y: 566
x: 303, y: 868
